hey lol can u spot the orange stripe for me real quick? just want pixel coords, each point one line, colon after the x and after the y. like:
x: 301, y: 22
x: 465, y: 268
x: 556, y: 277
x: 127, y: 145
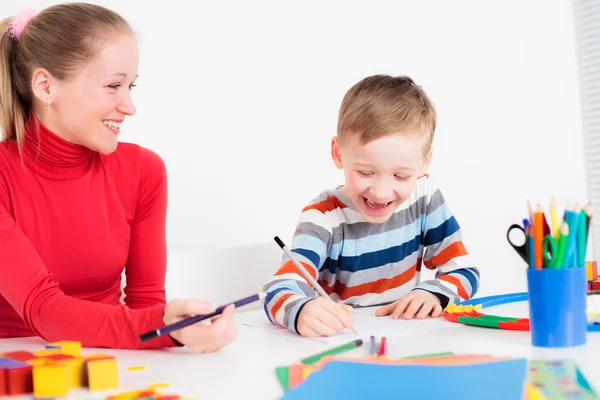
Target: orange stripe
x: 329, y: 204
x: 376, y: 287
x: 456, y: 282
x: 456, y: 249
x: 290, y: 267
x: 279, y: 303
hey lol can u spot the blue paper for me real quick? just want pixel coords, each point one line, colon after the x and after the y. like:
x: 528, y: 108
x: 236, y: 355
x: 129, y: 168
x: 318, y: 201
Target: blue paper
x: 347, y: 380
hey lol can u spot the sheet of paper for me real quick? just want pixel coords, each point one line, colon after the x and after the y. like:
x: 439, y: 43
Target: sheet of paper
x: 365, y: 322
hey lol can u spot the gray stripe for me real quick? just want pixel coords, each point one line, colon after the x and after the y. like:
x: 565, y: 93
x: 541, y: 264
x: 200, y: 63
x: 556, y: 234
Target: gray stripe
x: 312, y: 229
x: 437, y: 199
x: 437, y: 287
x: 436, y: 248
x: 291, y: 311
x: 399, y: 219
x: 306, y: 289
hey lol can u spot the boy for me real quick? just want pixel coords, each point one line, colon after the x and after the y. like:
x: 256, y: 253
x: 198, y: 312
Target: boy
x: 364, y: 242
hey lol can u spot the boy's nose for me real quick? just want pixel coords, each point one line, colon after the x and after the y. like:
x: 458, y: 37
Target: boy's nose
x: 381, y: 193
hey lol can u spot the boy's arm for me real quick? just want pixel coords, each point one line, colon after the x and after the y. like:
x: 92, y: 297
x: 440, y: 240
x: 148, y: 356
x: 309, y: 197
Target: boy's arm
x: 456, y: 278
x: 288, y: 290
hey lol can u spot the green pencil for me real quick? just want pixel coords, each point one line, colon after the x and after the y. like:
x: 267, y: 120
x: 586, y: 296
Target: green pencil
x: 562, y: 246
x: 581, y: 238
x: 331, y: 352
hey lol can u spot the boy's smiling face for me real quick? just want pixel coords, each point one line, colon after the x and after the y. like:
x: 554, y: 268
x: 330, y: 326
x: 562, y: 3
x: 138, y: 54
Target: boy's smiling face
x: 381, y: 174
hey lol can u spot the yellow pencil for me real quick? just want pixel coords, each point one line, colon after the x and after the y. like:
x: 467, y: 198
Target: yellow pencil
x: 554, y: 219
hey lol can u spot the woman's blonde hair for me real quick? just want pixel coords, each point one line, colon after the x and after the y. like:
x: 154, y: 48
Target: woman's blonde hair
x: 59, y: 39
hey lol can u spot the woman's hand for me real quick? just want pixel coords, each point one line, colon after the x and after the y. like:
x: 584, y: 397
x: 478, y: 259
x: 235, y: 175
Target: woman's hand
x: 201, y: 337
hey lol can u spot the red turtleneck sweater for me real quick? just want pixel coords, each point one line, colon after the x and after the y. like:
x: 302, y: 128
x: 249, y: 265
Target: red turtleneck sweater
x: 71, y: 220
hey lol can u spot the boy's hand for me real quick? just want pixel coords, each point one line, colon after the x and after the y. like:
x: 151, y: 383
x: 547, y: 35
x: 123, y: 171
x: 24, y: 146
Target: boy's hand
x: 323, y: 317
x: 419, y: 302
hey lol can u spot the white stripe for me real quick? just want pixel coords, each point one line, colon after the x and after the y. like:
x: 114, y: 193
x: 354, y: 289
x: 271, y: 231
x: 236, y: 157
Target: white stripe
x: 456, y: 263
x: 453, y: 288
x: 316, y: 217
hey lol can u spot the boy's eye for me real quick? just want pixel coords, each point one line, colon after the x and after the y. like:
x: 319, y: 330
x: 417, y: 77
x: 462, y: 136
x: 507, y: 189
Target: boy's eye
x: 114, y: 85
x: 365, y: 174
x: 402, y: 177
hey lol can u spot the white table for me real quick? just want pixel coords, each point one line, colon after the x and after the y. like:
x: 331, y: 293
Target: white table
x: 245, y: 369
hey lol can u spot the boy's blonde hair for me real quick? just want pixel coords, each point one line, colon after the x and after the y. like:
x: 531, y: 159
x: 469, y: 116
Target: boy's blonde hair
x: 380, y: 105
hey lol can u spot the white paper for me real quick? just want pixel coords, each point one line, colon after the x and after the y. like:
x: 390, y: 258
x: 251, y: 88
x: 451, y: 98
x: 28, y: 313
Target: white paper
x: 366, y: 324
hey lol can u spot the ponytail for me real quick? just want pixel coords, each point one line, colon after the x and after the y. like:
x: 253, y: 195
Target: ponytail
x: 13, y: 111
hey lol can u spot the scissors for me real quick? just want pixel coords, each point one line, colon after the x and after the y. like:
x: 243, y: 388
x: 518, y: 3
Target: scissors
x: 550, y: 247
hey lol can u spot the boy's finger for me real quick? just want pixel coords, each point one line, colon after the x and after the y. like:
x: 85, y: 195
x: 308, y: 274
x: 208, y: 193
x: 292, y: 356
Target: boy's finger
x: 339, y: 313
x: 329, y: 319
x: 321, y: 329
x: 386, y: 310
x: 413, y: 307
x: 401, y: 307
x: 437, y: 311
x: 425, y: 310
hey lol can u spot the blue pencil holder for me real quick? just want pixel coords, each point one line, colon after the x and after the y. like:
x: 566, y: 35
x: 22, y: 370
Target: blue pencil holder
x: 557, y: 306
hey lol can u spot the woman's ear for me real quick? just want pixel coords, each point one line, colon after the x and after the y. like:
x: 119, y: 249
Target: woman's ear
x: 41, y: 81
x: 336, y: 154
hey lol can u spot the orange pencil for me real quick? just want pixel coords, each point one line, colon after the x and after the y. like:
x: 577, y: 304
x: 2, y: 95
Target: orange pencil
x: 538, y: 237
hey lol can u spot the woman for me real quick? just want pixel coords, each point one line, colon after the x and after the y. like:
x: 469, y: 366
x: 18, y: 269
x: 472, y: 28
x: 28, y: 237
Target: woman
x: 76, y: 207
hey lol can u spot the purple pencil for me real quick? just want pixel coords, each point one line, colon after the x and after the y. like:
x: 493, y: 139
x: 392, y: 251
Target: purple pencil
x: 197, y: 318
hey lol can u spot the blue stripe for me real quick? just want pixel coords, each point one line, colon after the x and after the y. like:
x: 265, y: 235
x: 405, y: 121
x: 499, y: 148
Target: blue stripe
x: 372, y: 260
x: 471, y: 277
x: 310, y: 255
x: 436, y: 235
x: 308, y: 242
x: 289, y: 284
x: 373, y: 243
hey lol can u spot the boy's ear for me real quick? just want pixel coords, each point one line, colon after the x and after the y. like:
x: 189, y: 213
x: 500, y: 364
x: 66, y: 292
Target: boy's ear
x: 426, y: 162
x: 336, y: 154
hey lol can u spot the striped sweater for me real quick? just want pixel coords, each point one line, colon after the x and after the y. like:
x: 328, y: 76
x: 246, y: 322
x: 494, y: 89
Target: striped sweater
x: 365, y: 264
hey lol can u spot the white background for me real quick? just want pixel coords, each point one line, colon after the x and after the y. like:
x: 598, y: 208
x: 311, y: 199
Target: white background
x: 241, y: 99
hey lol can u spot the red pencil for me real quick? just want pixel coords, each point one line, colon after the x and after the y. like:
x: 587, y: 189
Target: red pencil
x: 382, y: 346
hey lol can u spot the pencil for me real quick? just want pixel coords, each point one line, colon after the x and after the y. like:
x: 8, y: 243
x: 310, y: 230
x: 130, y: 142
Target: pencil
x: 538, y: 237
x: 382, y: 346
x: 581, y: 238
x: 306, y: 274
x: 336, y: 350
x: 197, y: 318
x: 554, y: 219
x: 562, y: 246
x: 373, y: 346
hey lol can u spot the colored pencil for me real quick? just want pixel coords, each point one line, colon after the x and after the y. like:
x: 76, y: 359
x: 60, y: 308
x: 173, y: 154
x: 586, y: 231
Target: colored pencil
x: 197, y: 318
x: 562, y: 245
x: 373, y: 346
x: 304, y: 272
x: 581, y: 238
x: 554, y: 219
x: 538, y: 237
x: 331, y: 352
x: 382, y: 347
